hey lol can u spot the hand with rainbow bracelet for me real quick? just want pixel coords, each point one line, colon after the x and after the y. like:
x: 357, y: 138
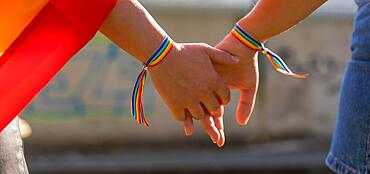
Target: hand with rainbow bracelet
x: 246, y: 39
x: 183, y: 74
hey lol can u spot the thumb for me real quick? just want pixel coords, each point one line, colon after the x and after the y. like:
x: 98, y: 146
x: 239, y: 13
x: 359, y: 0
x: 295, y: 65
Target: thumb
x: 219, y: 112
x: 221, y: 57
x: 245, y: 105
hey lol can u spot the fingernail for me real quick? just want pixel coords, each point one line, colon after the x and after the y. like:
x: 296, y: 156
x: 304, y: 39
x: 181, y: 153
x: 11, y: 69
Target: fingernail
x: 221, y: 143
x: 246, y: 121
x: 187, y: 133
x: 217, y: 113
x: 214, y: 140
x: 235, y: 58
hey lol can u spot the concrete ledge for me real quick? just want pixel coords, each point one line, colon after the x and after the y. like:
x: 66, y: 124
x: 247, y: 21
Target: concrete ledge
x: 330, y: 8
x: 296, y: 156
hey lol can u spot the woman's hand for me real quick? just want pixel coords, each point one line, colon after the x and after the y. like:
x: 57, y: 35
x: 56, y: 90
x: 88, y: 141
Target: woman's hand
x: 190, y: 86
x: 242, y: 76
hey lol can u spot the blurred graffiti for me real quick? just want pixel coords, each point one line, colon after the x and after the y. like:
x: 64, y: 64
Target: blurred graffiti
x: 97, y: 80
x: 323, y: 68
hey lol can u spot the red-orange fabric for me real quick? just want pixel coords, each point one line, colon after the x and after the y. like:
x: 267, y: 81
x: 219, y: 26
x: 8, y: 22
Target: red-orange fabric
x: 14, y: 17
x: 58, y: 32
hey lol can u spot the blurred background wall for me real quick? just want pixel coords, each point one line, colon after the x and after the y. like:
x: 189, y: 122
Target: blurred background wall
x: 81, y: 122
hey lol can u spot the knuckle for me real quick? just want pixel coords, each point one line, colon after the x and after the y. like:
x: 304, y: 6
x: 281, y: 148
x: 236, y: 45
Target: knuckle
x: 216, y: 81
x: 224, y: 96
x: 221, y: 86
x: 179, y: 118
x: 196, y: 118
x: 214, y: 107
x: 178, y: 114
x: 204, y: 44
x: 201, y: 93
x: 206, y: 47
x: 199, y: 115
x: 227, y: 97
x: 206, y: 122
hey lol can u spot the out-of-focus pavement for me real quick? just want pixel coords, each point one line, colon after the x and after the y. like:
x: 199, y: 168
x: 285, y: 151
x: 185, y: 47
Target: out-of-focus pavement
x: 81, y: 122
x: 292, y: 156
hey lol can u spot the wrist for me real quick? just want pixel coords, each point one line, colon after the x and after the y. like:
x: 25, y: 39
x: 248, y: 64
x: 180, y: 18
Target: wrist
x: 168, y: 61
x: 254, y: 28
x: 230, y: 42
x: 250, y: 41
x: 157, y: 58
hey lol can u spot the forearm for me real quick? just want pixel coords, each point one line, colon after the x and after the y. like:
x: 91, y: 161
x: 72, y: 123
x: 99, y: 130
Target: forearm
x: 271, y: 17
x: 133, y: 29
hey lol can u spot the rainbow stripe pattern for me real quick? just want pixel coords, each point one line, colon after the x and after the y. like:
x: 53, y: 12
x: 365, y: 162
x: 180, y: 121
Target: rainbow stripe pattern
x: 137, y: 108
x: 275, y: 60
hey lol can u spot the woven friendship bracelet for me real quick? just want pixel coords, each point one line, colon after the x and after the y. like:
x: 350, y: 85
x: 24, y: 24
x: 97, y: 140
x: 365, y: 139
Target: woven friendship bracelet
x: 137, y: 108
x: 275, y: 60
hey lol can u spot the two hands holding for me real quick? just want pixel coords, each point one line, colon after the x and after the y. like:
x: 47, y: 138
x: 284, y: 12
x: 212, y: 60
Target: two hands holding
x: 195, y: 79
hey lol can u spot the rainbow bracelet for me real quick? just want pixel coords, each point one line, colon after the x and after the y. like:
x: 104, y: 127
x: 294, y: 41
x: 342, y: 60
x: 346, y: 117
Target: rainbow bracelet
x: 137, y: 108
x: 275, y: 60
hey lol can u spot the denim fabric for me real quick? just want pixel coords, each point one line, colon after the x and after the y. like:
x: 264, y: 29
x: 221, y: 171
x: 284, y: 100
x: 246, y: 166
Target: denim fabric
x: 359, y: 2
x: 350, y: 148
x: 11, y: 150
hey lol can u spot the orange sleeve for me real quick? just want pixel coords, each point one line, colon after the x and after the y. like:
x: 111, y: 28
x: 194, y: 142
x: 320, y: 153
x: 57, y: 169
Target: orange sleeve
x: 15, y: 15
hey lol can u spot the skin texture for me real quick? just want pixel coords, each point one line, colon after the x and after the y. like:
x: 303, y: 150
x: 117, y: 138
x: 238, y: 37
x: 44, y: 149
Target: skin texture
x: 282, y: 15
x: 199, y: 85
x: 186, y: 78
x: 199, y: 90
x: 242, y: 76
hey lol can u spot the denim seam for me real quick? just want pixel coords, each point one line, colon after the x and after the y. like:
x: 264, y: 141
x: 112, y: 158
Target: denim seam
x: 367, y: 149
x: 361, y: 3
x: 344, y: 166
x: 359, y: 66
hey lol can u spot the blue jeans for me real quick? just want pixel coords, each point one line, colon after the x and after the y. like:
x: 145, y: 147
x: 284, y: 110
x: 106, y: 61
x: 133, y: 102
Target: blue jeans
x: 350, y: 148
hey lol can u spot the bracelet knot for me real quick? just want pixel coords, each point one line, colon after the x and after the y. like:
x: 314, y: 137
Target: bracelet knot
x: 137, y: 107
x: 274, y: 59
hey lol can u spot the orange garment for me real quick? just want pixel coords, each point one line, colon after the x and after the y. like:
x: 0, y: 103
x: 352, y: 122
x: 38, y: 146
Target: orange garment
x: 15, y: 15
x: 39, y: 46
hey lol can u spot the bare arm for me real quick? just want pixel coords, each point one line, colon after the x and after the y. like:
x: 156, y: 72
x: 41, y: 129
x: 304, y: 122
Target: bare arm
x: 133, y: 29
x: 271, y: 17
x: 267, y: 19
x: 186, y: 78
